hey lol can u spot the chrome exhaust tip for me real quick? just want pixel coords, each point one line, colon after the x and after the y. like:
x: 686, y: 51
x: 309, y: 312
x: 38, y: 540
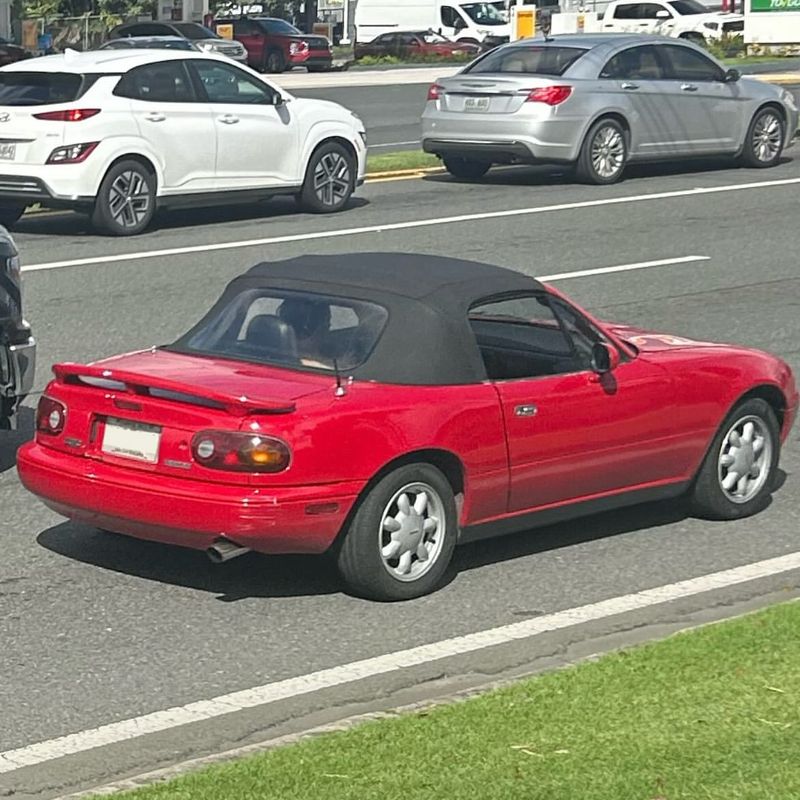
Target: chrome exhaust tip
x: 224, y: 550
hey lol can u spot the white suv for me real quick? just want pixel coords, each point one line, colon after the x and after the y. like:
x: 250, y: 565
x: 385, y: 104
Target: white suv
x: 120, y: 134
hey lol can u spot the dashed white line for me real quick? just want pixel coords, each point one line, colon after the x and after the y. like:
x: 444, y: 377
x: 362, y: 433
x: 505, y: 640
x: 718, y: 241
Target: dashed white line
x: 125, y: 730
x: 662, y: 262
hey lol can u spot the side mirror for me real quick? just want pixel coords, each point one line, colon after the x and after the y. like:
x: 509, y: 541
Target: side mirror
x: 663, y: 14
x: 732, y: 75
x: 605, y: 358
x: 279, y: 100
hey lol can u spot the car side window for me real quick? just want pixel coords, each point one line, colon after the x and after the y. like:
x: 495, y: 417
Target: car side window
x: 686, y: 64
x: 449, y: 16
x: 635, y: 63
x: 165, y: 82
x: 626, y: 11
x: 650, y: 11
x: 243, y: 27
x: 147, y: 29
x: 227, y: 84
x: 523, y: 337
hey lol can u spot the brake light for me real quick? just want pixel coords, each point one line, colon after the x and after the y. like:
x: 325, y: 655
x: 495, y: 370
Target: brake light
x: 71, y: 154
x: 239, y: 451
x: 50, y: 416
x: 68, y: 115
x: 435, y: 92
x: 552, y: 95
x: 297, y: 47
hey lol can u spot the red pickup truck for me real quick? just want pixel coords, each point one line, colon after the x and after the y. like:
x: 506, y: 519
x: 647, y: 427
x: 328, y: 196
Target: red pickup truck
x: 274, y: 45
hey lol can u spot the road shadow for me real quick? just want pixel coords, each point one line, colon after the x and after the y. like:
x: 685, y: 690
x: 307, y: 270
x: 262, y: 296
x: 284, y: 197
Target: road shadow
x: 73, y: 225
x: 257, y: 576
x: 11, y: 441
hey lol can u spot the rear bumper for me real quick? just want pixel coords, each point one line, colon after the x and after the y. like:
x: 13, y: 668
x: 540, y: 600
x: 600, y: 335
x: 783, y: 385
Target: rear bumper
x: 184, y: 512
x: 55, y: 191
x: 312, y: 58
x: 17, y: 369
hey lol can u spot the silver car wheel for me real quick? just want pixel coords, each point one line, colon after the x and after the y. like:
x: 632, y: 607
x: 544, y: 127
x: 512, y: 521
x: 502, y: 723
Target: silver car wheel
x: 745, y: 459
x: 608, y: 151
x: 767, y: 136
x: 412, y: 531
x: 332, y: 179
x: 129, y: 199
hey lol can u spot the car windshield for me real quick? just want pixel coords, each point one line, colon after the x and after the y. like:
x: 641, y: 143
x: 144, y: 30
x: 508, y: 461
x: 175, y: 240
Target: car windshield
x: 686, y: 7
x: 295, y: 329
x: 191, y: 30
x: 38, y: 88
x: 278, y: 27
x: 529, y: 60
x: 483, y: 14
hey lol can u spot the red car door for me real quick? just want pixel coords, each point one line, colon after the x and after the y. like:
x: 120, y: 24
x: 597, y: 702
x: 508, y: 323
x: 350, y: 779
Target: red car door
x: 252, y: 38
x: 571, y: 433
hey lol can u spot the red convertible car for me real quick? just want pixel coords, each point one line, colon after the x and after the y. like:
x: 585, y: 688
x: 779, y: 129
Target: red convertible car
x: 386, y: 407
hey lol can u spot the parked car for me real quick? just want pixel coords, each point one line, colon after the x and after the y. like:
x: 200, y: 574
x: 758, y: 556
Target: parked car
x: 10, y: 53
x: 150, y: 43
x: 204, y: 38
x: 118, y: 134
x: 17, y: 346
x: 408, y: 44
x: 599, y: 102
x: 274, y: 45
x: 385, y: 407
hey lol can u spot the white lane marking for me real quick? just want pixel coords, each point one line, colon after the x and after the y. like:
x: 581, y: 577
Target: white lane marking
x: 663, y: 262
x: 380, y: 665
x: 399, y: 226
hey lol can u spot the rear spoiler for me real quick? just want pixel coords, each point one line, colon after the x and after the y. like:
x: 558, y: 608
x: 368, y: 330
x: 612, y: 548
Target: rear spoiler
x: 137, y: 384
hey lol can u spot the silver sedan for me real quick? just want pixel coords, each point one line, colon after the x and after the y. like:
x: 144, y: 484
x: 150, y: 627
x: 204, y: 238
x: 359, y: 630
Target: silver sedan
x: 599, y: 102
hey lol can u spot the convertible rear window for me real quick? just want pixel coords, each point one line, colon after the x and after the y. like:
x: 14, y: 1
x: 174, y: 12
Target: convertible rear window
x: 39, y: 88
x: 529, y: 60
x: 285, y: 328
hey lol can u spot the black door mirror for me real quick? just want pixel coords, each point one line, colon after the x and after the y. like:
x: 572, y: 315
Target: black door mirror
x: 732, y: 75
x: 605, y: 358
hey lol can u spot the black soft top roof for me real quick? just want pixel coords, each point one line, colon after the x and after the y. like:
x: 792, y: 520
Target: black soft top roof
x: 427, y: 340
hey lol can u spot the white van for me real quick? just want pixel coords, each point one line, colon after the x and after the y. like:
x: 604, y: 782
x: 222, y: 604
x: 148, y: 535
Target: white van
x: 464, y: 21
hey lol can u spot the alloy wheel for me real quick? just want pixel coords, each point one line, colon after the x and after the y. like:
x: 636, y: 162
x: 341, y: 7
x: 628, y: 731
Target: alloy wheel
x: 332, y: 179
x: 608, y: 151
x: 767, y: 136
x: 745, y: 459
x: 129, y: 199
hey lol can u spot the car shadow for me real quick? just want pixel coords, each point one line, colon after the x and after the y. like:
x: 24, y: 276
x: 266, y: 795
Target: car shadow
x: 256, y: 576
x: 11, y: 441
x: 71, y: 224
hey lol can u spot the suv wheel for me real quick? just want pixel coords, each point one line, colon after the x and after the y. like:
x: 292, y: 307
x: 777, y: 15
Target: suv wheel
x: 330, y: 179
x: 126, y: 202
x: 10, y: 215
x: 275, y: 62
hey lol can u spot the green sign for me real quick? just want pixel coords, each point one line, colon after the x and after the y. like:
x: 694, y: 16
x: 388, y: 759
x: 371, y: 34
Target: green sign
x: 775, y: 5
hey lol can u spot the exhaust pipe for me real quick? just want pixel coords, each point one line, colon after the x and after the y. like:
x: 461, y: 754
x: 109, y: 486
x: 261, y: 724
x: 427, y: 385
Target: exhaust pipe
x: 224, y: 550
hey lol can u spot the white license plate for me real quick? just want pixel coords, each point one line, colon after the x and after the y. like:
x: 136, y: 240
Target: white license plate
x: 134, y: 440
x: 8, y: 151
x: 476, y: 104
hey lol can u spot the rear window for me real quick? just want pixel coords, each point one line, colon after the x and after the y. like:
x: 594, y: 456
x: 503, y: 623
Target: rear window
x: 294, y: 329
x: 278, y: 27
x: 529, y: 60
x: 38, y: 88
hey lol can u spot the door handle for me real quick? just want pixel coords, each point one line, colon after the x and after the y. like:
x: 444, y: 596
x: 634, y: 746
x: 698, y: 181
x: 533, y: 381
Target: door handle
x: 525, y: 411
x: 155, y: 116
x: 688, y: 87
x: 229, y: 119
x: 629, y: 86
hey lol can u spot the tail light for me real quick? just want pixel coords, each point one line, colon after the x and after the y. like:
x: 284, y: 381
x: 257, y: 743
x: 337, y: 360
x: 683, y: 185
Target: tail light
x: 552, y: 95
x: 238, y: 451
x: 435, y: 92
x: 71, y: 154
x: 50, y: 416
x: 297, y: 47
x: 68, y: 115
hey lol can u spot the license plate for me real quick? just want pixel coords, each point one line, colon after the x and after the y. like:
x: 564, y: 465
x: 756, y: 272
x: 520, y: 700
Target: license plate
x: 8, y: 151
x: 476, y: 104
x: 134, y: 440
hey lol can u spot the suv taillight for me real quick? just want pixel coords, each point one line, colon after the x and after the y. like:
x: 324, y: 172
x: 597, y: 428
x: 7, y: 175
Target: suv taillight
x: 239, y: 451
x: 552, y: 95
x: 68, y: 115
x: 50, y: 416
x: 297, y: 47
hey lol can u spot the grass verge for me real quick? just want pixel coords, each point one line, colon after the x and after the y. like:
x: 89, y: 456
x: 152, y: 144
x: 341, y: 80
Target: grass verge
x: 392, y: 162
x: 712, y: 714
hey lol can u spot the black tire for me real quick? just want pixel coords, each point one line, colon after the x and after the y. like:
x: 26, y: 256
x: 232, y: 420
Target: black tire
x: 319, y: 68
x: 274, y: 62
x: 766, y: 135
x: 330, y: 179
x: 608, y: 134
x: 359, y: 559
x: 10, y: 215
x: 708, y: 497
x: 465, y: 168
x: 117, y: 216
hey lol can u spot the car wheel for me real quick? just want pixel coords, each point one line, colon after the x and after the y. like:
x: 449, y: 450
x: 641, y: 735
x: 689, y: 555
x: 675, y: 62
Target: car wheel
x: 765, y: 137
x: 275, y: 62
x: 330, y: 179
x: 466, y: 168
x: 10, y: 215
x: 401, y: 539
x: 126, y: 202
x: 738, y: 472
x: 603, y: 154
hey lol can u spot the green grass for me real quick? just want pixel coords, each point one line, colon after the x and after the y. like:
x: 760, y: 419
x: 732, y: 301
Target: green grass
x: 712, y: 714
x: 412, y: 159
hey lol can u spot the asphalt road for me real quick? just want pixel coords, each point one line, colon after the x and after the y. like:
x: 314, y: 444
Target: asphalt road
x: 97, y: 628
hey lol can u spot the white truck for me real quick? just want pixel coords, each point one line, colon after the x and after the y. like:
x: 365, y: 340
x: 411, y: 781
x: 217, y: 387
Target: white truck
x: 683, y: 19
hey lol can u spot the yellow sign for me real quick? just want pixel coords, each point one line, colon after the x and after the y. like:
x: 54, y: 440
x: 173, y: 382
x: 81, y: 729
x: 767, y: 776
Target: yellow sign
x: 225, y: 31
x: 526, y: 22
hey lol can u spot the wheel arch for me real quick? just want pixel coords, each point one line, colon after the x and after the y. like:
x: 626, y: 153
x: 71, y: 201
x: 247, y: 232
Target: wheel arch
x: 615, y: 114
x: 142, y: 159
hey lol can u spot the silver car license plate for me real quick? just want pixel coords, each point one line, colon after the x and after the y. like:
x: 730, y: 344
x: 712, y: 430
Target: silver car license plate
x: 8, y: 151
x: 476, y: 104
x: 134, y: 440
